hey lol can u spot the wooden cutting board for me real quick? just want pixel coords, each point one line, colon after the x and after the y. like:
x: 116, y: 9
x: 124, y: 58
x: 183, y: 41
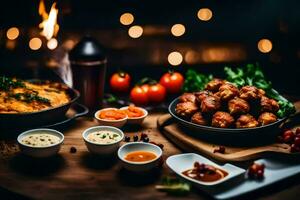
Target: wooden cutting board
x: 184, y: 140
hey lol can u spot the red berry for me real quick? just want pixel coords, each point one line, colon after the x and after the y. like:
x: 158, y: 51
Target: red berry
x: 260, y: 174
x: 295, y: 148
x: 298, y: 131
x: 143, y: 135
x: 297, y: 141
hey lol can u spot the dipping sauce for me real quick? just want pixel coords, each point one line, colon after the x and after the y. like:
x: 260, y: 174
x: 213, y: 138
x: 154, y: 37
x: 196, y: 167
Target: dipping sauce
x: 205, y: 173
x: 140, y: 156
x: 112, y: 114
x: 104, y: 137
x: 133, y: 112
x: 40, y: 140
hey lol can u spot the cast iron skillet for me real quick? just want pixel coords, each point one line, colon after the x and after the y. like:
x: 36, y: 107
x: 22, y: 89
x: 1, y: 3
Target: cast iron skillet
x: 39, y: 118
x: 231, y: 136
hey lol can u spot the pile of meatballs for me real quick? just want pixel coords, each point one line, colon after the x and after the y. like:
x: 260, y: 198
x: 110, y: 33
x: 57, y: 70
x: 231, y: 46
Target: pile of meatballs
x: 224, y: 105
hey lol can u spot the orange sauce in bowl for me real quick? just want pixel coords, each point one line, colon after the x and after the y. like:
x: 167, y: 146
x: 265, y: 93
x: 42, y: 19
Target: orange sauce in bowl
x: 140, y: 156
x: 112, y: 114
x: 133, y: 111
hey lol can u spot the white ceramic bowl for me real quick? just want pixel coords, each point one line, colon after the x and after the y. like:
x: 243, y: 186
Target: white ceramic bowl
x: 136, y: 120
x: 102, y: 149
x: 105, y: 122
x: 40, y: 152
x: 139, y: 146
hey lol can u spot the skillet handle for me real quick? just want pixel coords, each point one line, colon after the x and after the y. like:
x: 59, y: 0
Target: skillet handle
x: 292, y: 120
x: 82, y: 110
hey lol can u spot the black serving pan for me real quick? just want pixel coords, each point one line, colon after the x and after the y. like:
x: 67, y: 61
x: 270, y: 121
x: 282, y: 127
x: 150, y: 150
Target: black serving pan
x: 40, y: 118
x: 230, y: 136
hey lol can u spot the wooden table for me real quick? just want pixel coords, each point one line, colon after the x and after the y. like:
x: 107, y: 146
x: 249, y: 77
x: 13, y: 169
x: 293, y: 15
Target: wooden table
x: 81, y: 175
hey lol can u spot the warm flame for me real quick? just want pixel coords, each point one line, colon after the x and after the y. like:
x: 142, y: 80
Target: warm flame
x: 49, y: 23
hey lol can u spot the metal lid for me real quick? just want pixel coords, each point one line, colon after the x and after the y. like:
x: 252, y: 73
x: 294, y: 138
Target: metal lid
x: 88, y: 49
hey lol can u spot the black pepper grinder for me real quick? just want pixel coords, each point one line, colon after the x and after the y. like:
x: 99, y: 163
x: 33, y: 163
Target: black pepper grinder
x: 88, y: 64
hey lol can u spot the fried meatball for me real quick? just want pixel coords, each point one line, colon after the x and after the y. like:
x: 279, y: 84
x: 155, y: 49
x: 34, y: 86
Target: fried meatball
x: 210, y: 104
x: 249, y: 93
x: 187, y: 97
x: 186, y: 109
x: 246, y: 121
x: 228, y: 91
x: 268, y: 105
x: 261, y: 92
x: 238, y: 106
x: 222, y: 120
x: 214, y: 84
x: 201, y: 95
x: 198, y: 118
x: 267, y: 118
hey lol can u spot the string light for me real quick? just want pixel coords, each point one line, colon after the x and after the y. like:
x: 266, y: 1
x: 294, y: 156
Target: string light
x: 178, y: 30
x: 175, y: 58
x: 204, y: 14
x: 35, y: 43
x: 264, y: 45
x: 13, y: 33
x: 126, y: 19
x: 135, y: 31
x: 52, y: 43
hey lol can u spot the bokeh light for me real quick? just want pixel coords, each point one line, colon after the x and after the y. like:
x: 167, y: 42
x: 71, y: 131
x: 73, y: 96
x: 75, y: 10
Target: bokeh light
x: 135, y: 31
x: 191, y: 57
x: 35, y: 43
x: 204, y: 14
x: 175, y: 58
x: 264, y: 45
x: 52, y: 43
x: 13, y: 33
x: 178, y: 30
x: 126, y: 19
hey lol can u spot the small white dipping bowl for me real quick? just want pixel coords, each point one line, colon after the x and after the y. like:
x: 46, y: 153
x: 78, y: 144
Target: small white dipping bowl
x: 102, y: 149
x: 139, y: 146
x: 40, y: 152
x: 106, y: 122
x: 136, y: 120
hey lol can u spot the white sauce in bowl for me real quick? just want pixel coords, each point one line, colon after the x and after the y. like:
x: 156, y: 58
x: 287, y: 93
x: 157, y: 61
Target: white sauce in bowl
x: 40, y: 139
x: 104, y: 137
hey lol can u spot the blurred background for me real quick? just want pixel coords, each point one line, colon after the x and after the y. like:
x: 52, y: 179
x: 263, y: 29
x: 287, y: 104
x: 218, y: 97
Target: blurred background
x: 149, y: 37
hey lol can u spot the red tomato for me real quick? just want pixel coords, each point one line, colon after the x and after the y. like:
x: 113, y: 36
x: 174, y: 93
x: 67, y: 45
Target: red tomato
x: 172, y: 81
x: 145, y: 87
x: 156, y: 93
x: 120, y: 82
x: 139, y: 96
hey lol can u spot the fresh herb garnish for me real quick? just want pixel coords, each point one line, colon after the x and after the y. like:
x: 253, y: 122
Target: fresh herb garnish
x: 195, y: 81
x: 252, y: 74
x: 174, y: 186
x: 29, y: 97
x: 8, y: 83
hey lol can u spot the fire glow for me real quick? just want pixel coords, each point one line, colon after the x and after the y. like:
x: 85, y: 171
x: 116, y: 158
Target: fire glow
x: 49, y: 24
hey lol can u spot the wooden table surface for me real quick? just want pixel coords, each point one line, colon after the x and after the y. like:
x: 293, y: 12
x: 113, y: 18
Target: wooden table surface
x: 81, y: 175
